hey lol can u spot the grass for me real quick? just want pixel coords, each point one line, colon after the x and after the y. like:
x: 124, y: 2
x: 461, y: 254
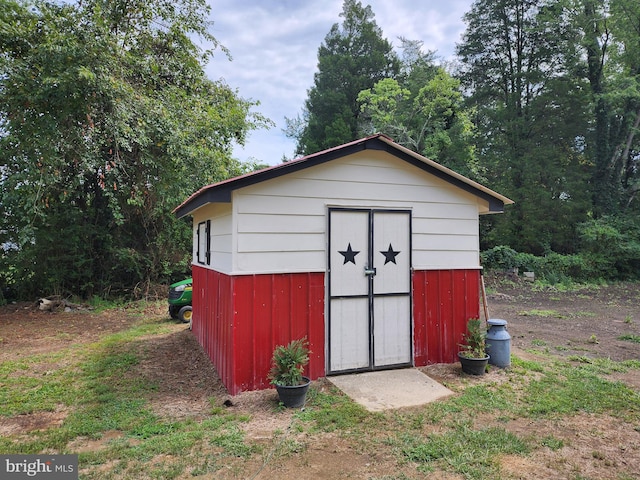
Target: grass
x: 467, y: 434
x: 27, y: 388
x: 535, y: 391
x: 630, y: 338
x: 605, y: 366
x: 332, y: 411
x: 552, y: 442
x: 465, y: 450
x: 553, y: 313
x: 568, y: 389
x: 101, y: 395
x: 541, y: 313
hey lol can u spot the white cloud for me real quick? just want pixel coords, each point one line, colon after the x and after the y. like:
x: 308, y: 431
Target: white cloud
x: 274, y: 46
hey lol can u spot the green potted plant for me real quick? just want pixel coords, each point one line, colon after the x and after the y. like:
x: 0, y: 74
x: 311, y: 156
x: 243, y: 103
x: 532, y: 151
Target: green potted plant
x: 473, y: 352
x: 288, y: 364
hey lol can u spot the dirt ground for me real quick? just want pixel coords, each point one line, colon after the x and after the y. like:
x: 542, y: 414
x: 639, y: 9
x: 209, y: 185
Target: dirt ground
x: 587, y: 322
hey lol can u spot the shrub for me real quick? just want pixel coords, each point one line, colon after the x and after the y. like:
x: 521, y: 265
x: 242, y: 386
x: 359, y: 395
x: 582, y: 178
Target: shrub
x: 499, y: 258
x: 610, y: 246
x: 288, y: 363
x: 553, y: 268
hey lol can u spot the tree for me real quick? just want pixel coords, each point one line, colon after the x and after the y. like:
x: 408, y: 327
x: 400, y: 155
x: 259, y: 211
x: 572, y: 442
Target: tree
x: 617, y: 99
x: 352, y: 58
x: 107, y: 122
x: 607, y: 46
x: 423, y: 110
x: 591, y: 21
x: 627, y: 31
x: 530, y: 118
x: 626, y: 28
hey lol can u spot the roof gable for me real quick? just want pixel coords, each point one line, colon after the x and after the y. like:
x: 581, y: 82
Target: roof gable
x: 221, y: 192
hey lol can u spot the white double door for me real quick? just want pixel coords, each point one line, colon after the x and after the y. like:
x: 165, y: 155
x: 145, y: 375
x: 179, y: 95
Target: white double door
x: 369, y: 289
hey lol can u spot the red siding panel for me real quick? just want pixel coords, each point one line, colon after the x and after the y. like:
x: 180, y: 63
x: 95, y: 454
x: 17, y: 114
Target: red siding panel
x: 419, y: 296
x: 213, y: 318
x: 249, y: 318
x: 239, y: 320
x: 315, y: 322
x: 284, y: 307
x: 443, y: 301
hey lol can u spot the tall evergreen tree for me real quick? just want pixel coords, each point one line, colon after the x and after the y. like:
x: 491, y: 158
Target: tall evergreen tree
x: 352, y: 58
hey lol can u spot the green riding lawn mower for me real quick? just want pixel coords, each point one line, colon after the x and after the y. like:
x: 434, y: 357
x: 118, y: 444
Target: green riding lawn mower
x: 180, y: 300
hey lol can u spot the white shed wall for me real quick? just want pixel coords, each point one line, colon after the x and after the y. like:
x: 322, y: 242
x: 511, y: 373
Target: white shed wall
x: 280, y: 225
x: 221, y: 235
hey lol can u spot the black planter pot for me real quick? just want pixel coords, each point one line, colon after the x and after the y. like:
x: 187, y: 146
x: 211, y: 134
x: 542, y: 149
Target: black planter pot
x: 294, y: 396
x: 473, y: 366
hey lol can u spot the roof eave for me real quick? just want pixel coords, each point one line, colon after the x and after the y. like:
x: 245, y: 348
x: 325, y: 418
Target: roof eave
x: 496, y: 201
x: 221, y: 192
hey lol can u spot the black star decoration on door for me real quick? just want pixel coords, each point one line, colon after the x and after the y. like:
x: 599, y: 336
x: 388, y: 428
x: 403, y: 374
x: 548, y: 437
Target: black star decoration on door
x: 349, y: 254
x: 390, y: 255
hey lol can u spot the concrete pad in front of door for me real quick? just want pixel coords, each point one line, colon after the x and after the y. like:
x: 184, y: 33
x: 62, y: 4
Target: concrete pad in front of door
x: 389, y: 389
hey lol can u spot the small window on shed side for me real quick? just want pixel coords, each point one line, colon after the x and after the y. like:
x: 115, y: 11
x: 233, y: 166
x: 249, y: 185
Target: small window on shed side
x: 204, y: 241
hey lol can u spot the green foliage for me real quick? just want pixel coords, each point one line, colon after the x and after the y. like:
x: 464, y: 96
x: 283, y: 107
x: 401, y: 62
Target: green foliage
x: 499, y: 258
x: 381, y: 104
x: 474, y: 339
x: 611, y: 246
x: 608, y: 41
x: 108, y: 122
x: 607, y: 255
x: 528, y: 116
x: 288, y: 363
x: 431, y: 119
x: 629, y: 337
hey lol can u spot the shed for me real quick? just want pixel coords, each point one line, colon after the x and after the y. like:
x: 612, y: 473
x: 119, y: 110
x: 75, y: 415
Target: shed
x: 368, y: 250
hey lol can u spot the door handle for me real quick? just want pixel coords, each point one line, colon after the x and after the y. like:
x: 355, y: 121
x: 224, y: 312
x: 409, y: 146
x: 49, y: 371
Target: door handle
x: 370, y: 271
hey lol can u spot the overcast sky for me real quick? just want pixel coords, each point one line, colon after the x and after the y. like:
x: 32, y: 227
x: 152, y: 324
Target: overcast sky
x: 274, y: 45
